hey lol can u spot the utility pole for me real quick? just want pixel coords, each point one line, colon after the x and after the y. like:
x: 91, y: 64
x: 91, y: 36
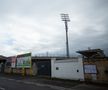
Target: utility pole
x: 65, y: 18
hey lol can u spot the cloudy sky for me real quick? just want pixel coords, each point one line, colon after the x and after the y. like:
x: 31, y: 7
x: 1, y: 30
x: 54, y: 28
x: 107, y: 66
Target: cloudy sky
x: 35, y: 26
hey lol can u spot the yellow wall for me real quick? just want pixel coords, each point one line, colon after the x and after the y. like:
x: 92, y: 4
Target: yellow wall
x: 101, y: 65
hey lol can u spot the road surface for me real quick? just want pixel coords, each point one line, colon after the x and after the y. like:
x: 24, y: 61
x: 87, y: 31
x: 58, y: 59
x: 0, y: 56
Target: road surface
x: 7, y: 83
x: 11, y: 84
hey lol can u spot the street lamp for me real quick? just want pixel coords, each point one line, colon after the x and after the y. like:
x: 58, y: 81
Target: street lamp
x: 65, y: 18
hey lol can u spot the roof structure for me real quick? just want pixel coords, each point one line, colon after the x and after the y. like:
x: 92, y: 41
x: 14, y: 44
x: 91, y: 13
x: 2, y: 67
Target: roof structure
x: 92, y: 53
x: 2, y: 57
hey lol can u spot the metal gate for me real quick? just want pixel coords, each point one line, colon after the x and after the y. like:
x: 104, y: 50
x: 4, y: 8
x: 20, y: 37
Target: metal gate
x: 44, y: 67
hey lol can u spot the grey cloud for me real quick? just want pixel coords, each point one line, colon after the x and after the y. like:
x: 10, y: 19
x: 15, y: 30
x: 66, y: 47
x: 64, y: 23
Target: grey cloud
x: 91, y: 22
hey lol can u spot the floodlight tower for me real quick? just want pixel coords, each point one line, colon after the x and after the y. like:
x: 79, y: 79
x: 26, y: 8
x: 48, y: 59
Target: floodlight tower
x: 65, y: 18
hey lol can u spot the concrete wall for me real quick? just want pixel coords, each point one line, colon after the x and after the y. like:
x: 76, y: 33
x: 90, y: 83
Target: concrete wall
x: 67, y: 69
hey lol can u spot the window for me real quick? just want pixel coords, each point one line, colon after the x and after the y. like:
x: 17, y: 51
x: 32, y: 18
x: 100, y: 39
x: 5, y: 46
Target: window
x: 57, y: 68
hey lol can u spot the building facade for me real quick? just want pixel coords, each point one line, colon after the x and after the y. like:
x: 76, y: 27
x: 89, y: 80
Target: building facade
x: 71, y: 68
x: 95, y: 65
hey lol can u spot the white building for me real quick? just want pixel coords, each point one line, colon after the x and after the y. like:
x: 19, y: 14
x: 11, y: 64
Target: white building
x: 67, y: 68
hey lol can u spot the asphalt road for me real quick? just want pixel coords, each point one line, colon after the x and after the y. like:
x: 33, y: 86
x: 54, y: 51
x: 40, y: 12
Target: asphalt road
x: 11, y: 84
x: 7, y: 83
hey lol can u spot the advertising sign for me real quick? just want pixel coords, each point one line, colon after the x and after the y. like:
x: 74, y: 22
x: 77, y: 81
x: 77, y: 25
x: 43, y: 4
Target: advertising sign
x: 90, y: 69
x: 13, y: 61
x: 24, y: 61
x: 9, y: 62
